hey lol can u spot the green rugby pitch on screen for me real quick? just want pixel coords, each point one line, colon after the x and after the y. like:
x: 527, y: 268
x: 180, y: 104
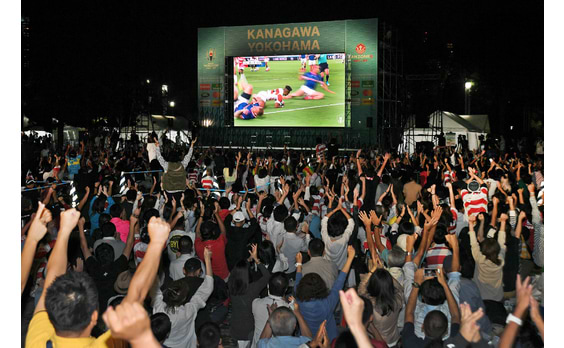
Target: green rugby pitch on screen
x: 297, y: 112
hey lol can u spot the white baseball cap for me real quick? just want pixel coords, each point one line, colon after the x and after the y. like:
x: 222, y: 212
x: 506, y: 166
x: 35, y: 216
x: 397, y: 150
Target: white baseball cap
x: 238, y: 217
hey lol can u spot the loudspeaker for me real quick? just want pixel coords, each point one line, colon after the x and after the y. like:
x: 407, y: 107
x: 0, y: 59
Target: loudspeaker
x: 369, y: 122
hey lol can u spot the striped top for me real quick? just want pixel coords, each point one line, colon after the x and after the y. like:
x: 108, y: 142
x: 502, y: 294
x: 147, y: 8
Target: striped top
x: 475, y: 202
x: 436, y: 255
x: 208, y: 182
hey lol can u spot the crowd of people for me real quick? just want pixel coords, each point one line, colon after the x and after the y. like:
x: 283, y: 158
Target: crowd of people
x: 285, y: 248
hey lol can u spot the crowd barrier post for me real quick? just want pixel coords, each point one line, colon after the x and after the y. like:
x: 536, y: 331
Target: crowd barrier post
x: 73, y: 194
x: 122, y: 183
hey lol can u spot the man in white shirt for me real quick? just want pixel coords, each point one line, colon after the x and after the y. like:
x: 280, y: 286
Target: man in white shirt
x: 275, y: 225
x: 182, y: 318
x: 326, y: 269
x: 185, y: 252
x: 291, y: 243
x: 109, y: 237
x: 174, y: 238
x: 335, y: 238
x: 277, y: 286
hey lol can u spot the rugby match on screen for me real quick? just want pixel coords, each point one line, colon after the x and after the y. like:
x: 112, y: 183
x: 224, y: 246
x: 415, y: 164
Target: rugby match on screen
x: 306, y: 90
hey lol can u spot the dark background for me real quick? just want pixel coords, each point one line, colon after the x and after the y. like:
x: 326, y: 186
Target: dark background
x: 88, y: 59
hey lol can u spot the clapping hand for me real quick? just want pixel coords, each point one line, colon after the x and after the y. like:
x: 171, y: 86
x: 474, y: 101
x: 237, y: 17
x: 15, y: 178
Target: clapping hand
x: 469, y: 329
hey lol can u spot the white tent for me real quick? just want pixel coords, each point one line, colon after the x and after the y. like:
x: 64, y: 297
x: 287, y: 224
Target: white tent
x: 471, y: 126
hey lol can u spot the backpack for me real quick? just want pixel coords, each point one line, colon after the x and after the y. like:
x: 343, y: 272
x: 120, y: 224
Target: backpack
x: 174, y: 179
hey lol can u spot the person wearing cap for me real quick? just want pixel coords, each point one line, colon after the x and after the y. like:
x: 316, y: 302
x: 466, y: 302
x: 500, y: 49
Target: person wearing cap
x: 185, y: 252
x: 240, y: 234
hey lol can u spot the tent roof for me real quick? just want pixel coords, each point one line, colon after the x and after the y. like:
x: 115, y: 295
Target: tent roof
x: 480, y: 121
x: 468, y: 122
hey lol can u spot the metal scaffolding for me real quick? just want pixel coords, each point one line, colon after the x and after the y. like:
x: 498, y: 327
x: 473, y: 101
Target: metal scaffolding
x: 391, y: 119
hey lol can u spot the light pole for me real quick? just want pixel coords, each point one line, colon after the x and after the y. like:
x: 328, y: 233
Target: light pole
x: 467, y: 98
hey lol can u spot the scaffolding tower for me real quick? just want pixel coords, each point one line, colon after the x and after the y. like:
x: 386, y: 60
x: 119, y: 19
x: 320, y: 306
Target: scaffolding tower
x: 391, y: 119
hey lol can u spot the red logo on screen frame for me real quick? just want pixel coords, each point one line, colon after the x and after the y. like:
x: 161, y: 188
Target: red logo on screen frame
x: 360, y: 48
x: 205, y: 87
x: 355, y: 84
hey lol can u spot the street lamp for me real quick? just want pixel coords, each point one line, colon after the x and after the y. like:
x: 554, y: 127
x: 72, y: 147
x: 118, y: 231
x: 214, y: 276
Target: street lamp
x: 171, y: 104
x: 164, y: 89
x: 467, y: 97
x: 148, y: 81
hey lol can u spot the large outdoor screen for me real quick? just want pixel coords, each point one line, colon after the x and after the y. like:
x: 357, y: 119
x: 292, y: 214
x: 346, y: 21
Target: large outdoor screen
x: 289, y: 91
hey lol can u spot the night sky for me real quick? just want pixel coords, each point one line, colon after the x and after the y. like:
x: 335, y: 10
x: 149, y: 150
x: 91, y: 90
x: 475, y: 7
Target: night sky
x: 90, y: 58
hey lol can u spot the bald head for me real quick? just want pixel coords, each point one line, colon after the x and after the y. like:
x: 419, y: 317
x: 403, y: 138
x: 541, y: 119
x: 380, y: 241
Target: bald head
x: 282, y: 322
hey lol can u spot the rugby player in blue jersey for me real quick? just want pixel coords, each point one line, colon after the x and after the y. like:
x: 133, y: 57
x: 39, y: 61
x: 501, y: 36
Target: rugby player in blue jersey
x: 311, y: 61
x: 311, y: 80
x: 243, y: 107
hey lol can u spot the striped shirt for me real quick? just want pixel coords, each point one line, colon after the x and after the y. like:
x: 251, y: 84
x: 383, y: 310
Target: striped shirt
x: 475, y: 202
x: 208, y: 182
x: 316, y: 209
x: 320, y: 150
x: 452, y: 227
x: 139, y: 251
x: 436, y: 255
x: 193, y: 177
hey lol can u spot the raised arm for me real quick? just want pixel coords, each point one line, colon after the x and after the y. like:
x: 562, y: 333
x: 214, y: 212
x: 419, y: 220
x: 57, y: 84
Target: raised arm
x: 84, y: 199
x: 476, y: 253
x: 350, y: 258
x: 359, y: 167
x: 519, y: 227
x: 452, y: 305
x: 412, y: 301
x: 50, y: 192
x: 37, y: 231
x: 493, y: 222
x: 453, y: 242
x: 133, y: 220
x: 377, y: 222
x: 57, y: 264
x: 83, y: 244
x: 394, y: 199
x: 451, y: 195
x: 188, y: 156
x: 160, y: 158
x: 219, y: 221
x: 386, y: 158
x: 143, y: 278
x: 524, y: 292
